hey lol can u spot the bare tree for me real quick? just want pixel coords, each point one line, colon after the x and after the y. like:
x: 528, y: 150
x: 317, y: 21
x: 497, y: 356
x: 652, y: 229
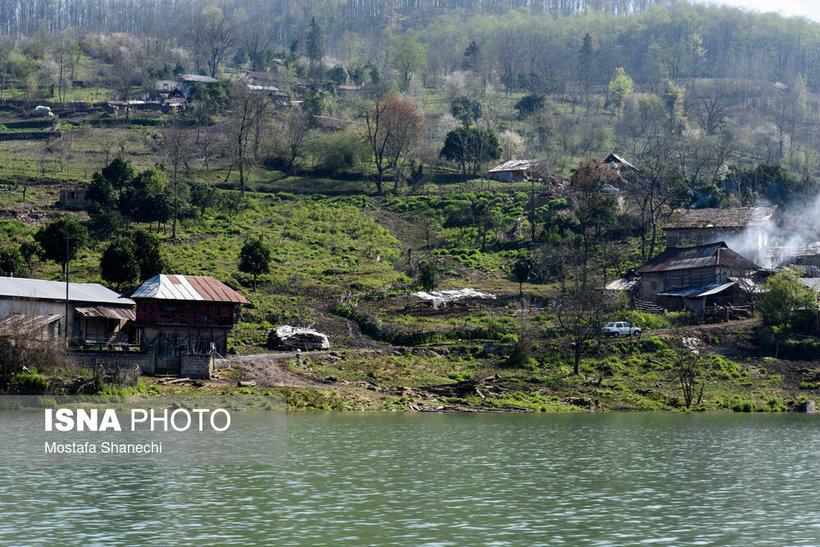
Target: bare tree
x: 216, y: 34
x: 392, y: 127
x: 579, y: 314
x: 292, y: 137
x: 176, y: 148
x: 246, y: 109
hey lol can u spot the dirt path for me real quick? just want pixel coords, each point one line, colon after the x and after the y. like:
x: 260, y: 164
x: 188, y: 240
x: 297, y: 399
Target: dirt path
x: 268, y: 369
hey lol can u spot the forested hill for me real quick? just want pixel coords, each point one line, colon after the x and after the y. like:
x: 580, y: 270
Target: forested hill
x: 24, y: 17
x: 653, y: 39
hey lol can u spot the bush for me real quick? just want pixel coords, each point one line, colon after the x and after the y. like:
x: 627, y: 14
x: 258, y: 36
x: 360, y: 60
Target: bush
x: 28, y: 383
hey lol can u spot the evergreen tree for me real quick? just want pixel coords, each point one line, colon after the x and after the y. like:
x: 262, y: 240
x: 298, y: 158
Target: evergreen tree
x: 254, y: 258
x: 118, y: 264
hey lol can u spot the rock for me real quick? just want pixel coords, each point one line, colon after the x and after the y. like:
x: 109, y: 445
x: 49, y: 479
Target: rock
x: 808, y: 407
x: 293, y: 338
x: 249, y: 383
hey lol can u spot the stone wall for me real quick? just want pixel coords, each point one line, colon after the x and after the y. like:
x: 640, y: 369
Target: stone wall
x: 145, y: 359
x: 191, y: 366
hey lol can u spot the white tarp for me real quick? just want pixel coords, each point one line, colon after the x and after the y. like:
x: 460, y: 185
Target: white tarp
x: 442, y: 298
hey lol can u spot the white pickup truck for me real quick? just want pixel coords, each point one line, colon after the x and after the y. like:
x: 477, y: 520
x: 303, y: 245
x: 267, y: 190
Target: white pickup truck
x: 620, y: 328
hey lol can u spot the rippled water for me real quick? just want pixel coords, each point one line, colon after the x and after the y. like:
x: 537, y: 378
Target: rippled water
x: 414, y: 479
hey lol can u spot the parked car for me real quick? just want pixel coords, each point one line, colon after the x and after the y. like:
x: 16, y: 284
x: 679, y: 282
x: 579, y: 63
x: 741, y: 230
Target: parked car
x: 42, y: 112
x: 620, y: 328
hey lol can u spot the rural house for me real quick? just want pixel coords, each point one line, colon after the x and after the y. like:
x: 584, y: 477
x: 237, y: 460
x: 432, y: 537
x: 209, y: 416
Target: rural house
x: 180, y: 315
x: 97, y: 316
x: 698, y: 226
x: 513, y: 170
x: 694, y: 278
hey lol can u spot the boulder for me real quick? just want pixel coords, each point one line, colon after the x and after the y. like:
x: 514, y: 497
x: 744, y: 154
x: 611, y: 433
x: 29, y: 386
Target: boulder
x: 293, y: 338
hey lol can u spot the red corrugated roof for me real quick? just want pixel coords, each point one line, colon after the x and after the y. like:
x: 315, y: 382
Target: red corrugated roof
x: 127, y: 314
x: 213, y: 289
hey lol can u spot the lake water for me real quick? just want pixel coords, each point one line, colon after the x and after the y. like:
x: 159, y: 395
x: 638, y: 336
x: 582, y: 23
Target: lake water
x: 449, y: 479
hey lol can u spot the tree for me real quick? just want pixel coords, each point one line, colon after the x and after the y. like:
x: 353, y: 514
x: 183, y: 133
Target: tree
x: 593, y: 209
x: 620, y: 86
x: 392, y: 128
x: 530, y: 104
x: 202, y: 196
x: 579, y: 313
x: 315, y: 46
x: 292, y: 137
x: 254, y: 258
x: 407, y: 57
x: 787, y: 303
x: 118, y: 264
x: 62, y: 239
x: 521, y: 270
x: 217, y: 34
x: 148, y: 253
x: 471, y: 146
x: 148, y: 199
x: 176, y: 148
x: 29, y: 251
x: 465, y: 110
x: 687, y: 366
x: 586, y: 65
x: 256, y: 41
x: 427, y: 275
x: 248, y: 109
x: 11, y: 262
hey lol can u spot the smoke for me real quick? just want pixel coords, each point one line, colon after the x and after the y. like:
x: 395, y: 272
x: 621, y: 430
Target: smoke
x: 775, y: 242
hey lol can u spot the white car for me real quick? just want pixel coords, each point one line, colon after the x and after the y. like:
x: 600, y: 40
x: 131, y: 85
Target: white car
x: 620, y: 328
x: 42, y: 111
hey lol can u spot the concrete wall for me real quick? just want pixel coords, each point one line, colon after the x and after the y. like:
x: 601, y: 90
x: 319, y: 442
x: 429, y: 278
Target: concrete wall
x: 196, y: 366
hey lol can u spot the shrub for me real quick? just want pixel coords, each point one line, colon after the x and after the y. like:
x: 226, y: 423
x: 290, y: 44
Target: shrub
x: 28, y: 383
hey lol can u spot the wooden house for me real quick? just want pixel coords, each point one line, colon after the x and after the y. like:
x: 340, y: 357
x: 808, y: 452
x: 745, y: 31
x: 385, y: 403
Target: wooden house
x: 694, y: 278
x: 185, y: 315
x: 686, y: 227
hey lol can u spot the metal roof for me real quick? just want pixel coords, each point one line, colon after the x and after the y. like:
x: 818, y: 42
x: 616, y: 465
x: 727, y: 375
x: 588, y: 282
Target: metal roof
x: 730, y: 217
x: 188, y: 287
x: 513, y: 165
x: 197, y: 78
x: 811, y: 282
x: 24, y: 324
x: 699, y: 292
x: 702, y: 256
x: 618, y: 160
x: 40, y: 289
x: 120, y: 314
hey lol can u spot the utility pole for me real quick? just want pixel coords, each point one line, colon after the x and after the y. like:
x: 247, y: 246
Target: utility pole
x: 66, y: 288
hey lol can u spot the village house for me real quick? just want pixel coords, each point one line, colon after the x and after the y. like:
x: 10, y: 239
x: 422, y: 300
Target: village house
x: 698, y: 226
x: 513, y: 170
x: 97, y: 316
x: 73, y: 197
x: 186, y: 82
x: 695, y: 278
x: 180, y: 315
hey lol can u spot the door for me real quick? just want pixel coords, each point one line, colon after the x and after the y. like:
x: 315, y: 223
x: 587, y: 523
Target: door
x: 167, y: 354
